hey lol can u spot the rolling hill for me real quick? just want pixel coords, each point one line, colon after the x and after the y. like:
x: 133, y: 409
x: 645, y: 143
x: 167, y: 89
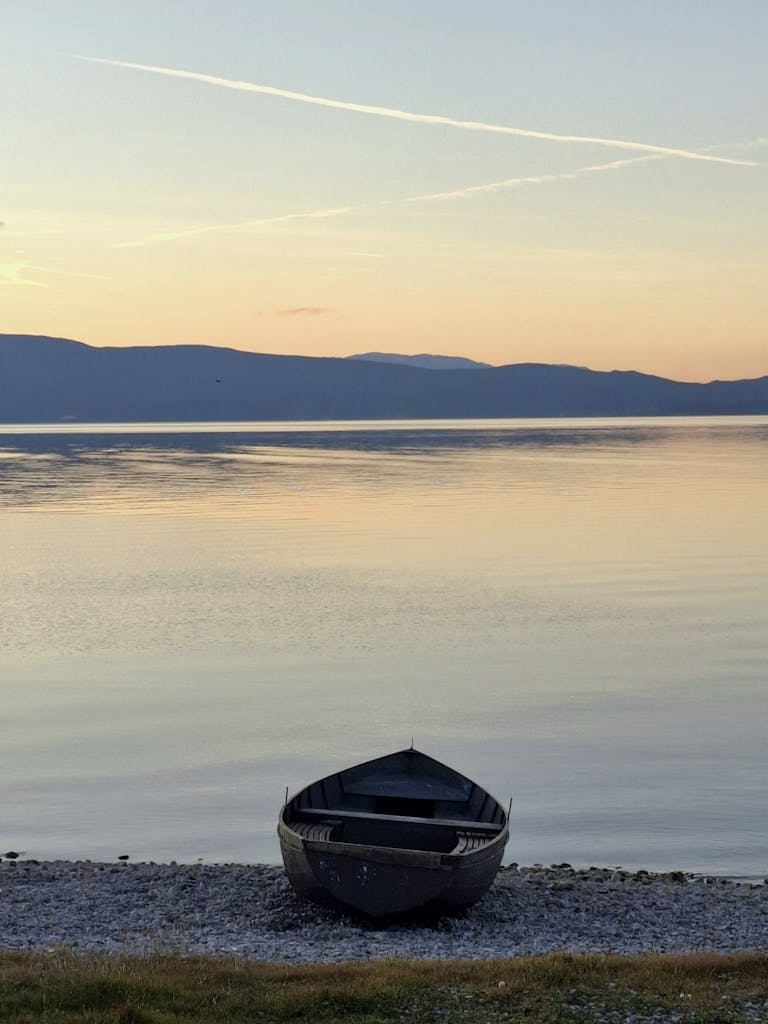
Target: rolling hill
x: 46, y: 379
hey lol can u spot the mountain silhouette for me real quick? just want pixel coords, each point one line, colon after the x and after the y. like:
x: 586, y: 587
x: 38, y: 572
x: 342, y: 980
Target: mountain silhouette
x: 46, y: 379
x: 424, y: 359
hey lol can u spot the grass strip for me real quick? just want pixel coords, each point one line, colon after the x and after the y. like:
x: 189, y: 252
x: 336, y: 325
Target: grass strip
x: 60, y: 987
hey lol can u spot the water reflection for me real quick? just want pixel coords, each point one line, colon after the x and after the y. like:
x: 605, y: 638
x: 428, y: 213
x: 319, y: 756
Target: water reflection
x: 382, y: 435
x: 147, y: 464
x: 575, y: 612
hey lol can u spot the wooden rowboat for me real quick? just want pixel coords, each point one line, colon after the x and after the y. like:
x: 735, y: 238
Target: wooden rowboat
x: 397, y: 835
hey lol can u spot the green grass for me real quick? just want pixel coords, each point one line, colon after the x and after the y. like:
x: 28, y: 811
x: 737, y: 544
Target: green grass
x: 62, y: 988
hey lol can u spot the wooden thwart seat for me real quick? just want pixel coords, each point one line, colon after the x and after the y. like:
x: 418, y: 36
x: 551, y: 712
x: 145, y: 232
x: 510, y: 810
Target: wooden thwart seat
x: 468, y: 841
x: 485, y: 828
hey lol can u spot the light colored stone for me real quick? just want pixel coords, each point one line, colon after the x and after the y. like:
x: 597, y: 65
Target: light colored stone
x: 251, y: 911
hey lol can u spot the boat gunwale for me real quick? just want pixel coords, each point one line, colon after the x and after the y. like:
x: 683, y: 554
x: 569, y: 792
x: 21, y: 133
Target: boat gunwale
x: 371, y: 851
x: 497, y: 831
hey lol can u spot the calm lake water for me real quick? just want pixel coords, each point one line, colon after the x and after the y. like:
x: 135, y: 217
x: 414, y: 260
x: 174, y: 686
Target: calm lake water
x: 193, y: 617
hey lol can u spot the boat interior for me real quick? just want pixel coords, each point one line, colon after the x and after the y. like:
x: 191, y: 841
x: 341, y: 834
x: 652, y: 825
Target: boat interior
x: 404, y: 801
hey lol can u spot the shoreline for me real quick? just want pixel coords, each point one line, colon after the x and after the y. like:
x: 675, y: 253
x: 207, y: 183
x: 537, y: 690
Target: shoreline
x: 250, y: 911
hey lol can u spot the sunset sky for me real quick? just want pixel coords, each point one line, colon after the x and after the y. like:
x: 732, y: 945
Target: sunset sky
x: 559, y: 181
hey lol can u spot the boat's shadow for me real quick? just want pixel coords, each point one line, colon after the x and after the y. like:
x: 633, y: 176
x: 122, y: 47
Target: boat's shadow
x: 286, y: 911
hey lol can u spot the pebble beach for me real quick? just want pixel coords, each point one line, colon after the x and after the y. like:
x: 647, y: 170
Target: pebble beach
x: 250, y: 911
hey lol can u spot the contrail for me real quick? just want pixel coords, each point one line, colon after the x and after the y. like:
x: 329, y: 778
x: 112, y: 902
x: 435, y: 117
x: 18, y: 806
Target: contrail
x: 535, y: 179
x: 339, y: 211
x: 171, y: 236
x: 545, y: 179
x: 406, y: 115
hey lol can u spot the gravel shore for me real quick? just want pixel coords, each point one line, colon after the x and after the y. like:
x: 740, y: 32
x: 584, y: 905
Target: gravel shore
x: 251, y: 911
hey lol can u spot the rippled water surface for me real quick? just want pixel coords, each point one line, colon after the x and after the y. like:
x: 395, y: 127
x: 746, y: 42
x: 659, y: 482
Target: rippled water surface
x: 193, y: 617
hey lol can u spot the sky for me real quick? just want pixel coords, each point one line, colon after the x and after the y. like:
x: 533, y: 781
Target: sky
x: 566, y: 181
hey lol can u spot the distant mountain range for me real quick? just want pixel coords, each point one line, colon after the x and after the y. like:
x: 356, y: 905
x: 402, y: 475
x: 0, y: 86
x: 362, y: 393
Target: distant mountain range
x: 427, y: 362
x: 53, y: 380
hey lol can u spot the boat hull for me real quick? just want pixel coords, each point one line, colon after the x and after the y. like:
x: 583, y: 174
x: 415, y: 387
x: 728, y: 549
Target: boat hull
x: 360, y: 841
x: 381, y: 882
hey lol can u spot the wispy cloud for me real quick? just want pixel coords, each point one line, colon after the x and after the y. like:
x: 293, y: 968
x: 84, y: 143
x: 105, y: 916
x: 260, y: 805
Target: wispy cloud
x: 306, y: 311
x: 73, y: 273
x: 16, y: 274
x: 758, y: 143
x: 407, y: 115
x: 13, y: 275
